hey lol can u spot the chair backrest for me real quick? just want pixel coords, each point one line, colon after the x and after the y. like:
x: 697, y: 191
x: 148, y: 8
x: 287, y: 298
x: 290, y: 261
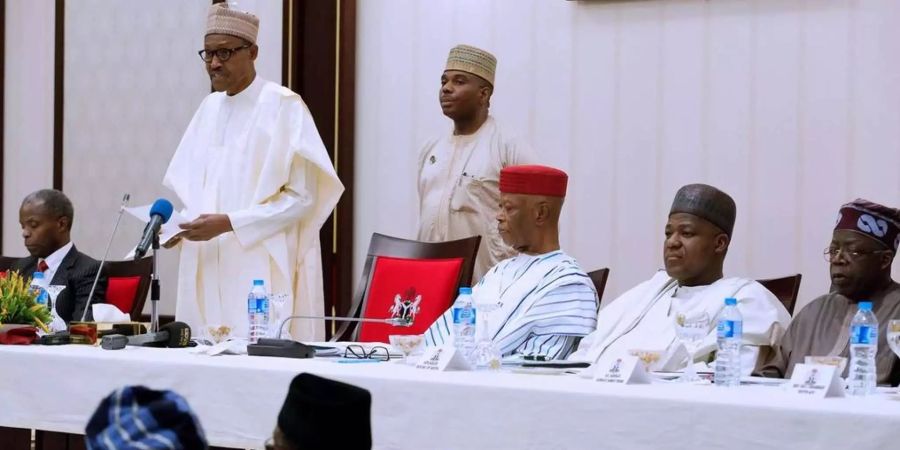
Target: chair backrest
x: 397, y: 284
x: 785, y: 289
x: 128, y: 285
x: 388, y: 246
x: 6, y: 262
x: 599, y: 277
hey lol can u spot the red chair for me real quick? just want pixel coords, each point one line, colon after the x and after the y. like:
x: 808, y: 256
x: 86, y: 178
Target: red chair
x: 128, y: 285
x: 599, y: 278
x: 785, y: 289
x: 431, y: 271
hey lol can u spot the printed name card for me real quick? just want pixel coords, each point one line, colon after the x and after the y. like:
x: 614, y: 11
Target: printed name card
x: 442, y: 359
x: 816, y: 380
x: 622, y: 370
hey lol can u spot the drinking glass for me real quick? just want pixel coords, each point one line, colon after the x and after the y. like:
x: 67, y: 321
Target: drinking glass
x: 893, y: 336
x: 690, y: 329
x: 407, y: 343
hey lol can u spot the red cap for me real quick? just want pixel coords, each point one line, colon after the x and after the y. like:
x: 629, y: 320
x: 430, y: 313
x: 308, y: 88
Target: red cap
x: 533, y: 180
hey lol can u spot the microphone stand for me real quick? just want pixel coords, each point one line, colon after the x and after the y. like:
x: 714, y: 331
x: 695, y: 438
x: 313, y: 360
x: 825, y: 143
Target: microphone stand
x: 87, y: 306
x: 395, y: 321
x: 154, y: 287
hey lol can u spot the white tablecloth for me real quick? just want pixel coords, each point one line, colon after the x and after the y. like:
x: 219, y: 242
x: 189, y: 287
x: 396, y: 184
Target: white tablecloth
x: 237, y: 399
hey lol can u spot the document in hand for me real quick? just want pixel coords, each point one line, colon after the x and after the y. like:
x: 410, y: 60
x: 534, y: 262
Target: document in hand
x: 168, y: 230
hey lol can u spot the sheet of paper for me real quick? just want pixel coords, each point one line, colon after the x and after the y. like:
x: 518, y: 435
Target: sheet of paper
x: 168, y: 230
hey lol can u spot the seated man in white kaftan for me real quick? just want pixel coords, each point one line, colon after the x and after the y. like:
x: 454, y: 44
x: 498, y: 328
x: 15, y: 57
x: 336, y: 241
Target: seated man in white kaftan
x: 543, y: 303
x: 252, y: 169
x: 698, y: 234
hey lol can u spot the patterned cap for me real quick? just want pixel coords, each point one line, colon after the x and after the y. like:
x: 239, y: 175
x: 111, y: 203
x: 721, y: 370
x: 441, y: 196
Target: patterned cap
x: 138, y: 417
x: 708, y: 203
x: 871, y: 220
x: 224, y: 20
x: 476, y: 61
x: 533, y: 180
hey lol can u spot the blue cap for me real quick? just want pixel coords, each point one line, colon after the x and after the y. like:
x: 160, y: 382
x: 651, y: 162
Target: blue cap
x: 38, y: 275
x: 465, y: 291
x: 258, y: 283
x: 865, y: 306
x: 730, y: 301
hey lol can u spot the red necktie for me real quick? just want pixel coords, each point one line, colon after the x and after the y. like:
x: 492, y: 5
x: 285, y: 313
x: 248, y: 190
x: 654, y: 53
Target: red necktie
x: 42, y: 266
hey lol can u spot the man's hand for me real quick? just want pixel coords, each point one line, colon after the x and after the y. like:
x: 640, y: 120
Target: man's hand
x: 206, y: 227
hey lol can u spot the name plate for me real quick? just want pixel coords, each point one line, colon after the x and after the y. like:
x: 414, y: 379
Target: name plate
x: 622, y: 370
x: 443, y: 358
x: 816, y: 380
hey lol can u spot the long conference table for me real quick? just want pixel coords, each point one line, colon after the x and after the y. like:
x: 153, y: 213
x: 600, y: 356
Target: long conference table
x: 237, y: 399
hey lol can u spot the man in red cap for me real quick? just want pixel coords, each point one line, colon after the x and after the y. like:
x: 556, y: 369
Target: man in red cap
x: 458, y: 172
x: 541, y: 303
x: 863, y: 246
x: 697, y: 236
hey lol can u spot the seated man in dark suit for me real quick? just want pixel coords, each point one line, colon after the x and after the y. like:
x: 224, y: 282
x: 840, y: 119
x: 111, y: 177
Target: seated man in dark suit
x: 46, y: 218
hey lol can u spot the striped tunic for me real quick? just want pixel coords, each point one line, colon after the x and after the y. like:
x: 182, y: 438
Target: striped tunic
x: 543, y: 305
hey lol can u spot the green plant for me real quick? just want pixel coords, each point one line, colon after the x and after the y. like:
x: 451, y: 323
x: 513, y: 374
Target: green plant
x: 18, y: 303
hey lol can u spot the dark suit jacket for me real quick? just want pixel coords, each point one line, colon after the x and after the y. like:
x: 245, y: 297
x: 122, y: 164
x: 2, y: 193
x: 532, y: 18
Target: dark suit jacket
x: 76, y: 272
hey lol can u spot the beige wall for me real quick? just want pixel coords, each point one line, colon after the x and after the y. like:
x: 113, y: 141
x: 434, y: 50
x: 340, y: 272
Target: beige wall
x: 792, y: 107
x: 27, y: 111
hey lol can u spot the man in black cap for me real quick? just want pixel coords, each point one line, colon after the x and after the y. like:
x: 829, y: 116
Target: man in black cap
x: 863, y: 246
x: 319, y: 413
x: 698, y: 234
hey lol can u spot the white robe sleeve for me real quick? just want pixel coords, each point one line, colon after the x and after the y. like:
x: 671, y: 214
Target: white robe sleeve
x: 291, y: 205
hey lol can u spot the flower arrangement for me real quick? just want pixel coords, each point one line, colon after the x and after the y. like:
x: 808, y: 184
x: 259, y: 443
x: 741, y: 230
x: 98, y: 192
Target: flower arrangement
x: 18, y: 303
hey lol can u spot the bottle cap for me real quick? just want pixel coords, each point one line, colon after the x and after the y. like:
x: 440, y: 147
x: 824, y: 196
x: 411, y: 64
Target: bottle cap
x: 465, y: 291
x: 730, y: 301
x: 258, y: 283
x: 38, y: 275
x: 865, y: 306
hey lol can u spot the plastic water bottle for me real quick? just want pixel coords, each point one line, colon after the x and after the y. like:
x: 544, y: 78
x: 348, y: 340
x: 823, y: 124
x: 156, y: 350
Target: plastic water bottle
x: 38, y: 284
x: 464, y: 322
x: 729, y: 332
x: 257, y: 311
x: 863, y: 347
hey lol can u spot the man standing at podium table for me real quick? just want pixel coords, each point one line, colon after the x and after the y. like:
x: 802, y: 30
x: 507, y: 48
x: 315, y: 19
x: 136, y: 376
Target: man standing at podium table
x: 253, y: 171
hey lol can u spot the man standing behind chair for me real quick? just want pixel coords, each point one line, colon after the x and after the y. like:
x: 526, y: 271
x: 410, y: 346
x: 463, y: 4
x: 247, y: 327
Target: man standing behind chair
x: 459, y: 173
x: 698, y: 234
x: 544, y: 302
x: 253, y: 170
x: 46, y: 217
x: 863, y: 246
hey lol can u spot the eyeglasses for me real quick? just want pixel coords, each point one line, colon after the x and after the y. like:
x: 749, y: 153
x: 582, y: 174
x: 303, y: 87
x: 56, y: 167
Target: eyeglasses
x: 224, y: 54
x: 851, y: 255
x: 378, y: 352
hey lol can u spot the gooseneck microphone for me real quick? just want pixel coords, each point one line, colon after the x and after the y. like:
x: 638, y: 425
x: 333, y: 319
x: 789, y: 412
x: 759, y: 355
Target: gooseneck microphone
x: 172, y: 335
x: 160, y: 213
x: 87, y: 306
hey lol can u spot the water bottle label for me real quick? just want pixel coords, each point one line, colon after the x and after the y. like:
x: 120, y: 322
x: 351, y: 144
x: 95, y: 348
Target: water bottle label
x: 863, y: 335
x: 464, y: 316
x: 729, y: 329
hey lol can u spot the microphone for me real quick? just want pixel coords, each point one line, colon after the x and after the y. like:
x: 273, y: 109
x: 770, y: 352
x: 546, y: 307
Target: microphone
x: 160, y: 213
x: 172, y: 335
x: 286, y: 348
x: 87, y: 306
x: 405, y: 321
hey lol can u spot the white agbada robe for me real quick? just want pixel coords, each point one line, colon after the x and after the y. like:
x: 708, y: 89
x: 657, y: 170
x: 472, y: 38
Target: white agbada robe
x: 257, y: 157
x: 643, y: 319
x: 459, y: 189
x: 542, y: 305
